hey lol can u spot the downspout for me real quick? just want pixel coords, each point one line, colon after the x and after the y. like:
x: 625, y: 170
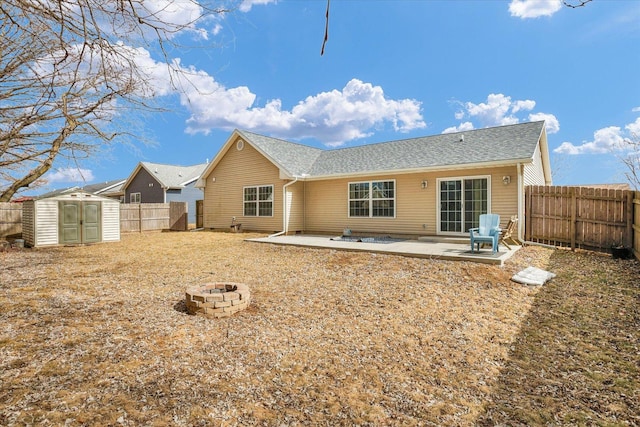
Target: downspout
x: 285, y: 224
x: 521, y: 217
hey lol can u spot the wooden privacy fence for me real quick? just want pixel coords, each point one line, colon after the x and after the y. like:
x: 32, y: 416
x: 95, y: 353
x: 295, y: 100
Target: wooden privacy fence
x: 10, y: 219
x: 580, y: 217
x: 153, y: 216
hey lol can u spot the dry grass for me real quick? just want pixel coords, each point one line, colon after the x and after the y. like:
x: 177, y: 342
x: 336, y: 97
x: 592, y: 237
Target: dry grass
x: 98, y: 335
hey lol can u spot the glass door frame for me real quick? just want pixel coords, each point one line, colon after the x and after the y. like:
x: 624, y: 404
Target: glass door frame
x: 462, y: 179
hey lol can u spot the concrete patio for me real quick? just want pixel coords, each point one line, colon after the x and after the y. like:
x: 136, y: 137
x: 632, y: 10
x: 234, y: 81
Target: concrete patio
x: 454, y: 249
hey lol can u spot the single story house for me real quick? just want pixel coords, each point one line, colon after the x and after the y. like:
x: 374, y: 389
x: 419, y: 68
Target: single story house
x: 158, y: 183
x: 433, y: 185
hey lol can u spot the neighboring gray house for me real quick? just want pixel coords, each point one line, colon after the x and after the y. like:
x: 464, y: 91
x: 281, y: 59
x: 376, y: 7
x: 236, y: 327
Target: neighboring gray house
x: 158, y: 183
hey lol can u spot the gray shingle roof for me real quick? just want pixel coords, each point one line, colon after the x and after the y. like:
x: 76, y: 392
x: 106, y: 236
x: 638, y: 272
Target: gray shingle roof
x: 172, y: 176
x: 490, y: 145
x: 296, y: 159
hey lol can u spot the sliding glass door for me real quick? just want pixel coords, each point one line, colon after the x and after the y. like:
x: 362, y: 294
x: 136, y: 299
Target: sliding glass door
x: 462, y: 200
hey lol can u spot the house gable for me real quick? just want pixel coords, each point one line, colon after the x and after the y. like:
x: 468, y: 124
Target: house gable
x: 224, y: 183
x: 143, y: 182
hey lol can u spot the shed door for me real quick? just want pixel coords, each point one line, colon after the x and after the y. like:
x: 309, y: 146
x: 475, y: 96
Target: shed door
x: 69, y: 230
x: 79, y: 222
x: 91, y: 222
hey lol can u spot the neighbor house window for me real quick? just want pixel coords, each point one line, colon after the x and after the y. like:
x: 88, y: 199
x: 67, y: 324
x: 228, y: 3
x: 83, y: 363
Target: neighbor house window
x: 372, y: 199
x: 258, y: 201
x: 134, y: 198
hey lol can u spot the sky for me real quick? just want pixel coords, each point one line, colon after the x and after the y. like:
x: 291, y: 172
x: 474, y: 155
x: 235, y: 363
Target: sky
x: 396, y: 69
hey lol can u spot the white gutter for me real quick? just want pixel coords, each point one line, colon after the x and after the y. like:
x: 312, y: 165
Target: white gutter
x: 285, y: 223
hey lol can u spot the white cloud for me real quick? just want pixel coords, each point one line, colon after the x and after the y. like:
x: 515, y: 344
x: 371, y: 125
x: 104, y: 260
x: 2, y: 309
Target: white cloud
x: 70, y: 175
x: 605, y: 140
x: 534, y: 8
x: 333, y: 117
x: 551, y: 122
x: 462, y: 127
x: 527, y: 105
x: 500, y: 110
x: 634, y: 128
x: 246, y: 5
x: 216, y: 29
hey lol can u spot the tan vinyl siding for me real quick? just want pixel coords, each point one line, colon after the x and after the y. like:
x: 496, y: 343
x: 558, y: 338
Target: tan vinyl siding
x: 533, y: 172
x: 416, y: 208
x: 295, y: 207
x: 223, y: 198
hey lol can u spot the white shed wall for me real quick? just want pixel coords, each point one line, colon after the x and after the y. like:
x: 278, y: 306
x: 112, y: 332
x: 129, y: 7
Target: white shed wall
x: 46, y: 226
x: 41, y: 226
x: 110, y: 221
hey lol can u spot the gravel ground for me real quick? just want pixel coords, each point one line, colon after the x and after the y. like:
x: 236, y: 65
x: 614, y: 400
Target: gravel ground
x: 98, y: 335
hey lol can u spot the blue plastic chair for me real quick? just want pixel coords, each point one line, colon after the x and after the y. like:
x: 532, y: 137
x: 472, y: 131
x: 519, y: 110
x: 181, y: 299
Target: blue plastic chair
x: 488, y: 232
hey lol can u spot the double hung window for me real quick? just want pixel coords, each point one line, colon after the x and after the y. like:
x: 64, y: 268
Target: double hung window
x: 258, y: 200
x: 372, y: 199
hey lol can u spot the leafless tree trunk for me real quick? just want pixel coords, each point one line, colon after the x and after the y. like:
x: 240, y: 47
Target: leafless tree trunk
x: 70, y: 71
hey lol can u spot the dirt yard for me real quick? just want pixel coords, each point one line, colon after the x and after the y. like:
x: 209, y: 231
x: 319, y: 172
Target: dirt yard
x: 99, y: 335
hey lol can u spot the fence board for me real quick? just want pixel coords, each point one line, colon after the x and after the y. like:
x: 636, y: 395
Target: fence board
x: 178, y: 216
x: 10, y: 219
x: 139, y: 217
x: 579, y: 217
x: 636, y: 224
x: 199, y: 213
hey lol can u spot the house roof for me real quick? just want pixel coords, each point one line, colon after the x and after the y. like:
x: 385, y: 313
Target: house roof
x: 170, y: 176
x: 504, y: 144
x: 105, y: 187
x: 295, y: 159
x: 486, y: 147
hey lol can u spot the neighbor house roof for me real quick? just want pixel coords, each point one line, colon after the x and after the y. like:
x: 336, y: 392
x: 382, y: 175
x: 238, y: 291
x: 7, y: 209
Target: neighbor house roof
x: 493, y: 146
x: 170, y: 176
x: 105, y: 187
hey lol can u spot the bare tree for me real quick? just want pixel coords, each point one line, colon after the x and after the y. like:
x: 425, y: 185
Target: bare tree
x: 631, y: 160
x: 575, y: 3
x: 70, y: 70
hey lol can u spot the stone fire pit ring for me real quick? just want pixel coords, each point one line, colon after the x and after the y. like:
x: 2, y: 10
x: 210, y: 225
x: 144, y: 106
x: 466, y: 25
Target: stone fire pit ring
x: 220, y: 299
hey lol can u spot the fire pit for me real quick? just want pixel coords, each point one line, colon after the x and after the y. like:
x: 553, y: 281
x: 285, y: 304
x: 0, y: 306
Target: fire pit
x: 215, y: 300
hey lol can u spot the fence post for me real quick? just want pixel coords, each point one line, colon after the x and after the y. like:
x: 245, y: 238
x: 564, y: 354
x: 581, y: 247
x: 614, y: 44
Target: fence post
x: 139, y: 217
x: 628, y: 235
x: 572, y: 226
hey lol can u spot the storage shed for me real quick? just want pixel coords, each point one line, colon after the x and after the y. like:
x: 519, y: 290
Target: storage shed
x: 73, y: 218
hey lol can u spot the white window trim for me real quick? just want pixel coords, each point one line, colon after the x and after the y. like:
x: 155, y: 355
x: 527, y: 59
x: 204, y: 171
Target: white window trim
x: 139, y: 197
x: 455, y: 178
x: 395, y: 204
x: 257, y: 202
